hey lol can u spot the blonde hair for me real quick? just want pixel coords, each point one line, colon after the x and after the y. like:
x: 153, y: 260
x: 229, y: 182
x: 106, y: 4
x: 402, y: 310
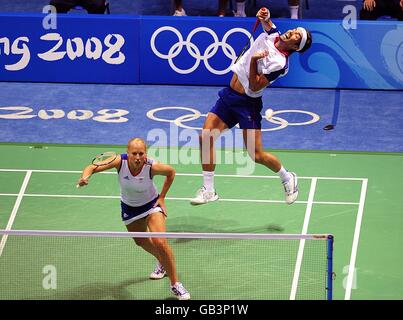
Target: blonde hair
x: 137, y: 140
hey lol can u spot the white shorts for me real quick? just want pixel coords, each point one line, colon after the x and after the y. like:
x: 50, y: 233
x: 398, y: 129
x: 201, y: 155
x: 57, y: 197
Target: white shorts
x: 142, y: 215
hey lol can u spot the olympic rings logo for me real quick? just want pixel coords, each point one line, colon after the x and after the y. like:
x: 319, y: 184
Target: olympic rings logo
x: 194, y: 51
x: 194, y: 114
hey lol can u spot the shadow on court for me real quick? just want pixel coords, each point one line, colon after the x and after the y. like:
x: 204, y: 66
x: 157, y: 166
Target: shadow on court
x: 204, y: 225
x: 97, y: 291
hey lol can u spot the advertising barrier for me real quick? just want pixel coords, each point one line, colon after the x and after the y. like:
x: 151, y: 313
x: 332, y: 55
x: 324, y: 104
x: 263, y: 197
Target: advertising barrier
x: 81, y: 49
x: 192, y: 51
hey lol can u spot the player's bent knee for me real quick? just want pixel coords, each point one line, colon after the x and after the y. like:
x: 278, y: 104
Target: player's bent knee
x: 257, y: 157
x: 140, y: 241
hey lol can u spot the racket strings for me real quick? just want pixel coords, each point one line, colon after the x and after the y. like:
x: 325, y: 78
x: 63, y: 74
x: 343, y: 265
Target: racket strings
x: 104, y: 158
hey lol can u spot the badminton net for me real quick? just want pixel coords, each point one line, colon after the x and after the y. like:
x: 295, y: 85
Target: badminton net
x: 68, y: 265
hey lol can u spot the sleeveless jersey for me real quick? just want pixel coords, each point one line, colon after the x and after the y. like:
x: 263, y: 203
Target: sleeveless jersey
x: 137, y: 190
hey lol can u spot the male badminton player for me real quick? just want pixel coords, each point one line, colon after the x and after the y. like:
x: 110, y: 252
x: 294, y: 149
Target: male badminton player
x: 142, y: 207
x: 241, y: 103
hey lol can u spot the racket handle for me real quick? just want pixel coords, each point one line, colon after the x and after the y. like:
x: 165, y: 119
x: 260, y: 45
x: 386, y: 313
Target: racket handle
x: 78, y: 186
x: 256, y: 24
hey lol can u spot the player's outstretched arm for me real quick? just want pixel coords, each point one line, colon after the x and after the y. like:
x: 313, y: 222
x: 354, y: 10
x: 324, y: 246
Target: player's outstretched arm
x: 92, y: 168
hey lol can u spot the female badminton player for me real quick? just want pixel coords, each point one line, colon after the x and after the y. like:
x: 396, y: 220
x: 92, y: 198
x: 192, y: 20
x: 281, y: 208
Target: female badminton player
x: 142, y: 207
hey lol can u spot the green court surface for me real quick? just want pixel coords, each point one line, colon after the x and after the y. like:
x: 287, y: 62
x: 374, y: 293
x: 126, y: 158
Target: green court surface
x: 354, y: 196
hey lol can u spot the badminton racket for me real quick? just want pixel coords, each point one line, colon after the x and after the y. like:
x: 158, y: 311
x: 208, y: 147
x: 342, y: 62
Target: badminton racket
x: 248, y: 42
x: 102, y: 159
x: 257, y: 22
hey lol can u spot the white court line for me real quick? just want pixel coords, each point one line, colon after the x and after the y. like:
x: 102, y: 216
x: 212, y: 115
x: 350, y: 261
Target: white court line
x: 300, y: 254
x: 191, y: 174
x: 351, y: 269
x: 50, y: 171
x: 173, y: 198
x: 15, y: 209
x: 269, y: 177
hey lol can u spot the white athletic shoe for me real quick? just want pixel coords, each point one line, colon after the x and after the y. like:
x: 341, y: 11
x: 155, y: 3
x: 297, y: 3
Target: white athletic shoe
x: 159, y: 272
x: 203, y: 196
x: 291, y: 188
x: 179, y: 291
x: 180, y: 13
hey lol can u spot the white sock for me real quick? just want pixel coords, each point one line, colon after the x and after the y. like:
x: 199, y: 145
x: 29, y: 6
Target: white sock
x: 208, y: 180
x: 294, y: 12
x: 283, y: 173
x: 240, y: 7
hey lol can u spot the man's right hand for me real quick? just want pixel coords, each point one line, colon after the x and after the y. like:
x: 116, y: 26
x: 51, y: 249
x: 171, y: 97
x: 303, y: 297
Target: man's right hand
x: 263, y: 14
x: 369, y: 5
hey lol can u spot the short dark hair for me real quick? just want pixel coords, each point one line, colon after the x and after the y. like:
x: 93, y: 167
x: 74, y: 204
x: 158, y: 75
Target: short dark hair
x: 308, y: 42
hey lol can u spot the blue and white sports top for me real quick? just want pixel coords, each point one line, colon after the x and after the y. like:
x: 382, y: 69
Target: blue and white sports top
x: 273, y: 66
x: 137, y: 190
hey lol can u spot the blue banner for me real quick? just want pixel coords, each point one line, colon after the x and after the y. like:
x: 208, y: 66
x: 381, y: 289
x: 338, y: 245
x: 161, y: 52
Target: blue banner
x: 77, y: 48
x: 199, y: 51
x: 369, y: 56
x: 192, y: 51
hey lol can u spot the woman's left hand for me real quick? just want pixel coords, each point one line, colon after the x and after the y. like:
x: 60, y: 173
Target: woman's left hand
x: 161, y: 202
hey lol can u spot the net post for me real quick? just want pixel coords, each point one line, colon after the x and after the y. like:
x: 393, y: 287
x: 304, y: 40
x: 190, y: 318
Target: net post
x: 329, y: 287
